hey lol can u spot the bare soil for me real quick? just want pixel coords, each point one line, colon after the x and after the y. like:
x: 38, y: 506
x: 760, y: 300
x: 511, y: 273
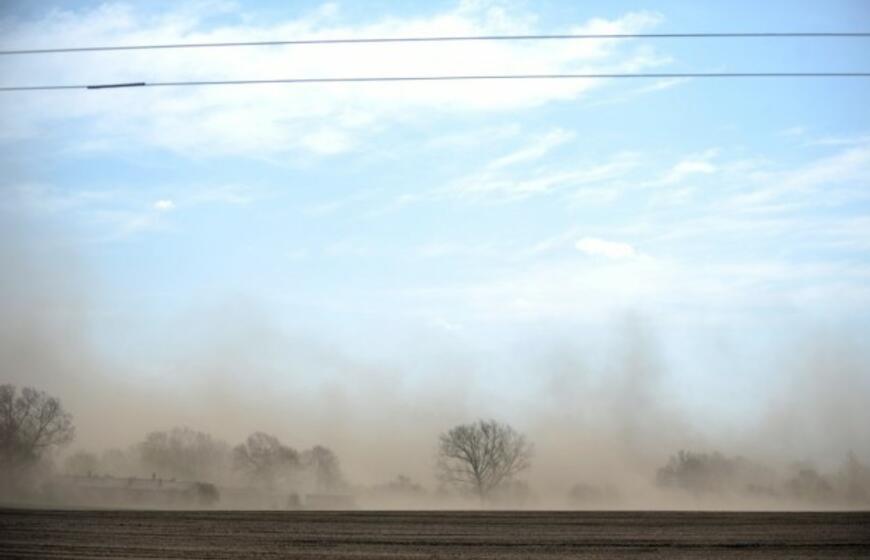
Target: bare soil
x: 455, y: 535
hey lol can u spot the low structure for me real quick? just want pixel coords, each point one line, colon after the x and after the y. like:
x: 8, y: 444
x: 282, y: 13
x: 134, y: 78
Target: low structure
x: 109, y: 491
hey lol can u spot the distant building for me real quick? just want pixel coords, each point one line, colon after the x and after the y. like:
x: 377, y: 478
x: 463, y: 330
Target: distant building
x: 109, y: 491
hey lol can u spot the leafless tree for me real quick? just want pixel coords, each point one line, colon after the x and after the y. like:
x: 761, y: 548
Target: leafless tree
x: 265, y: 460
x: 323, y: 465
x: 31, y: 424
x: 482, y: 456
x: 184, y: 453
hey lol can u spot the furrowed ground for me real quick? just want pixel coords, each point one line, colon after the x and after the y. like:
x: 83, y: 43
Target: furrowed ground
x: 264, y: 535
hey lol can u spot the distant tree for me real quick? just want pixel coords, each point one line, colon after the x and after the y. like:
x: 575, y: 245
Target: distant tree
x: 81, y: 463
x: 808, y: 485
x: 697, y: 473
x: 32, y: 423
x: 482, y: 456
x: 854, y: 480
x: 714, y: 473
x: 183, y: 453
x: 265, y: 460
x: 323, y: 465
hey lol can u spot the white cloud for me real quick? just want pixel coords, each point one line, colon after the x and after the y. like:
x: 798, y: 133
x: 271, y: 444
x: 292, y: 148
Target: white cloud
x: 119, y: 224
x: 686, y: 168
x: 855, y: 140
x: 656, y: 86
x: 494, y: 182
x: 581, y: 289
x: 698, y: 164
x: 562, y: 289
x: 318, y: 119
x: 472, y: 137
x: 602, y: 248
x: 121, y: 211
x: 537, y: 148
x: 800, y: 185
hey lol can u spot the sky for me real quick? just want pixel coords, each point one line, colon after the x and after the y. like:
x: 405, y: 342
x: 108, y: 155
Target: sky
x: 495, y: 245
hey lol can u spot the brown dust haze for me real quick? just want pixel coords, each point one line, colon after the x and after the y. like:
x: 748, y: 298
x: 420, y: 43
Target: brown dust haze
x: 603, y: 428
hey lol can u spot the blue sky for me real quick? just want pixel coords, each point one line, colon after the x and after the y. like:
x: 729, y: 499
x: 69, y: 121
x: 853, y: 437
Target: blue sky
x: 485, y: 224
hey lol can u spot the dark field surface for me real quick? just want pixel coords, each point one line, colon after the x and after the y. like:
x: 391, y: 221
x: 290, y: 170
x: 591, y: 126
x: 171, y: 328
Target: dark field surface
x: 264, y: 535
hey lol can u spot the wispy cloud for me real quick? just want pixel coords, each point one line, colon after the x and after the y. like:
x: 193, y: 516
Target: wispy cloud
x: 535, y: 150
x: 603, y: 248
x: 854, y: 140
x: 473, y: 137
x: 794, y: 186
x: 119, y: 224
x: 697, y: 164
x: 590, y: 289
x: 314, y: 120
x: 494, y: 182
x: 120, y: 211
x: 631, y: 95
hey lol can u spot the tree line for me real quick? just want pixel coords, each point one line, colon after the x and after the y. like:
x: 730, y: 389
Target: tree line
x: 483, y: 459
x: 477, y: 458
x: 33, y: 425
x: 261, y: 460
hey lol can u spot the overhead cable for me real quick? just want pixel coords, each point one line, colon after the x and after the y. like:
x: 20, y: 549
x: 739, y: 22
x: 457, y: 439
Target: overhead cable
x: 359, y: 40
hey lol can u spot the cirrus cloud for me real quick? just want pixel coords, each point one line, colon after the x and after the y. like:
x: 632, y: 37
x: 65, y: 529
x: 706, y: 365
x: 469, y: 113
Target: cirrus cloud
x: 319, y: 120
x: 602, y: 248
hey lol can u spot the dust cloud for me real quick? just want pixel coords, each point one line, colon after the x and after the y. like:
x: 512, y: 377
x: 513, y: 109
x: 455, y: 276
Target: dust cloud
x: 608, y: 431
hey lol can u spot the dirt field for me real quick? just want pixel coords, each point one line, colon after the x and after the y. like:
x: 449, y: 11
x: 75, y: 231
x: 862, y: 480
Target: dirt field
x: 262, y: 535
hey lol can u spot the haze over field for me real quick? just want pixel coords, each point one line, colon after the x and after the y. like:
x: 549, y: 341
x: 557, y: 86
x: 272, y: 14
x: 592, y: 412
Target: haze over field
x: 619, y: 271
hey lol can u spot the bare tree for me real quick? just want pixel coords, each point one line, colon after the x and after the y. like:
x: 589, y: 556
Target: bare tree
x: 184, y: 453
x: 31, y: 424
x: 324, y: 467
x: 482, y: 456
x: 264, y: 459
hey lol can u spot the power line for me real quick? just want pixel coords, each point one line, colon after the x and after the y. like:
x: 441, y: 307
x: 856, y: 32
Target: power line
x: 367, y: 79
x: 566, y: 36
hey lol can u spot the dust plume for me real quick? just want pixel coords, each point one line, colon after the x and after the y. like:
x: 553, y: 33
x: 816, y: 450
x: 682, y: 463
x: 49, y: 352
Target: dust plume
x: 607, y: 427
